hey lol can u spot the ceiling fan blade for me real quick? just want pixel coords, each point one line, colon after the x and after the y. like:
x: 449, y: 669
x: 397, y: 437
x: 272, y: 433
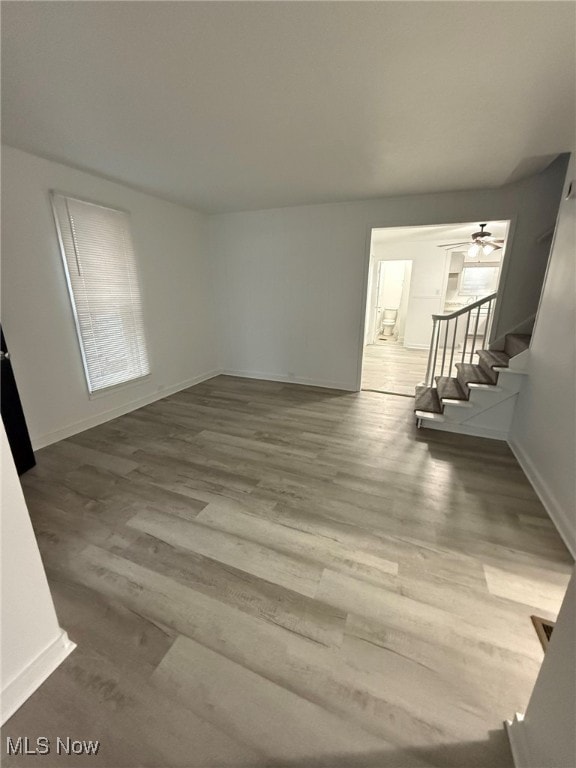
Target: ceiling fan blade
x: 454, y: 245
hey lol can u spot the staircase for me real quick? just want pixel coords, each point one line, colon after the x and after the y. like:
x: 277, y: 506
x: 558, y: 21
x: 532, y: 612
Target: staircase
x: 476, y: 395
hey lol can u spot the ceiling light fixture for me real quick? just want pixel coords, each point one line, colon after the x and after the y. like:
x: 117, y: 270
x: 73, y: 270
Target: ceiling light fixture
x: 483, y: 244
x: 479, y: 249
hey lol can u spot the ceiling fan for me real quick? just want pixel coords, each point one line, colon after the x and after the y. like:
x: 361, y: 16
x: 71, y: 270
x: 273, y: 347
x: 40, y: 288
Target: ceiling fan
x: 482, y: 244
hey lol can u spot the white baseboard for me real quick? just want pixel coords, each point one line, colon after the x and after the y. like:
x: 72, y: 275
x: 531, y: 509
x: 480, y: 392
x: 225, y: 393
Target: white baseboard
x: 324, y: 384
x: 20, y: 688
x: 464, y: 429
x: 517, y: 738
x: 41, y: 441
x: 555, y: 511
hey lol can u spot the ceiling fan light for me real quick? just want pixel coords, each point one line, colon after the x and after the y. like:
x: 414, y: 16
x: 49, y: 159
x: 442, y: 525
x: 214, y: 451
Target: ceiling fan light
x: 487, y: 249
x: 474, y: 251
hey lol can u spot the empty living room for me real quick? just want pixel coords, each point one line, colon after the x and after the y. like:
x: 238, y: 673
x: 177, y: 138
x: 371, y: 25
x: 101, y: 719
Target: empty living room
x: 218, y: 550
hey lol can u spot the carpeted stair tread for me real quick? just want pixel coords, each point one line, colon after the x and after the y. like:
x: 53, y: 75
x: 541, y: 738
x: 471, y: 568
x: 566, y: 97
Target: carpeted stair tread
x: 493, y: 358
x: 488, y: 359
x: 449, y: 388
x: 427, y: 400
x: 468, y: 373
x: 516, y: 343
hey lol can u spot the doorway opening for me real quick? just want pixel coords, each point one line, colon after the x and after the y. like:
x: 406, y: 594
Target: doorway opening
x: 416, y: 272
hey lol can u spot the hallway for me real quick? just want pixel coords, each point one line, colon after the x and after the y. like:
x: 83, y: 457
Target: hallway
x: 389, y: 367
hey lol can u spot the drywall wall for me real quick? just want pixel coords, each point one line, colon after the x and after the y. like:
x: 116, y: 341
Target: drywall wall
x: 536, y: 202
x: 277, y: 294
x: 391, y: 284
x: 292, y: 281
x: 32, y: 642
x: 404, y: 301
x: 171, y: 244
x: 543, y: 434
x: 427, y: 286
x: 546, y: 736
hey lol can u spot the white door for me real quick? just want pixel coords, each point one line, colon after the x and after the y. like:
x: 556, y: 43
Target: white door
x: 427, y: 294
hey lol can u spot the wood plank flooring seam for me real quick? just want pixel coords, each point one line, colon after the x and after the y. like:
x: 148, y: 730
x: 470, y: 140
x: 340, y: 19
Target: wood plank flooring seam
x: 262, y: 574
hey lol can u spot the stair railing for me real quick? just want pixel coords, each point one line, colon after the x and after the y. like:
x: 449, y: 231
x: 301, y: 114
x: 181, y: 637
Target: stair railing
x: 445, y: 342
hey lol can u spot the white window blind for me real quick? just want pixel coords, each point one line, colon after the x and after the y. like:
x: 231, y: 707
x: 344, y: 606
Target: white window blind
x: 100, y: 265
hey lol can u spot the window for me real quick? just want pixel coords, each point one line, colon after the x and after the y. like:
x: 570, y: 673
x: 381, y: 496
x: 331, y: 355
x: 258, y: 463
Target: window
x: 478, y: 280
x: 100, y: 266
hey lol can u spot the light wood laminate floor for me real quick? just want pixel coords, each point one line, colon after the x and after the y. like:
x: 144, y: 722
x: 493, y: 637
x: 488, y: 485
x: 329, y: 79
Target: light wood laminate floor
x: 388, y: 366
x: 259, y: 574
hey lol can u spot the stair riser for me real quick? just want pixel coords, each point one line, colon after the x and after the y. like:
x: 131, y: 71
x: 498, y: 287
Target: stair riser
x: 512, y: 349
x: 457, y: 414
x: 515, y: 344
x: 492, y: 374
x: 510, y: 382
x: 479, y: 400
x: 495, y: 425
x: 446, y: 389
x: 489, y: 410
x: 519, y: 362
x: 463, y: 384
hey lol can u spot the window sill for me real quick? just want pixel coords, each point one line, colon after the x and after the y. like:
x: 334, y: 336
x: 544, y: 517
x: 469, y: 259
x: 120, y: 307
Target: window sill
x: 101, y: 393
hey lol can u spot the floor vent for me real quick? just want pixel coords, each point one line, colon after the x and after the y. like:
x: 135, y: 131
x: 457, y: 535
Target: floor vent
x: 543, y: 629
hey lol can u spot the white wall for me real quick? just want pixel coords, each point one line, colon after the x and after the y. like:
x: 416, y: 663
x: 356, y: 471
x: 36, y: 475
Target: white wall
x: 427, y: 286
x: 32, y: 642
x: 171, y: 244
x: 543, y: 431
x: 292, y: 280
x: 536, y: 201
x: 404, y: 302
x: 547, y: 734
x: 371, y: 302
x: 276, y: 293
x: 391, y: 283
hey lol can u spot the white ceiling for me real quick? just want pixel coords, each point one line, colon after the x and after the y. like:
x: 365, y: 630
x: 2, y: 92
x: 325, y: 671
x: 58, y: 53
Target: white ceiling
x: 436, y: 234
x: 239, y: 105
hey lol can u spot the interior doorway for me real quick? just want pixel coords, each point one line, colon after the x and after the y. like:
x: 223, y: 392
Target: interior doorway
x: 387, y: 367
x: 389, y: 304
x: 416, y: 272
